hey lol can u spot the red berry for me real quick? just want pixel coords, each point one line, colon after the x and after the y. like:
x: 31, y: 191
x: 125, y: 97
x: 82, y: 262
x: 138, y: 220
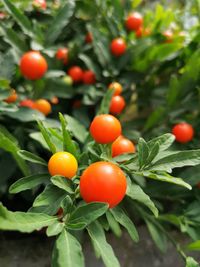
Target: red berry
x: 134, y: 21
x: 117, y: 104
x: 89, y: 77
x: 183, y: 132
x: 62, y: 54
x: 118, y: 47
x: 76, y: 73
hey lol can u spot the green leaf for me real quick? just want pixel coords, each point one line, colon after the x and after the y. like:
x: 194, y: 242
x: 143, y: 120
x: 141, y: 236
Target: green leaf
x: 55, y: 228
x: 26, y: 155
x: 164, y: 141
x: 51, y: 197
x: 105, y: 103
x: 113, y: 224
x: 158, y: 236
x: 47, y: 138
x: 22, y: 221
x: 7, y: 72
x: 194, y: 246
x: 190, y: 262
x: 165, y: 177
x: 67, y: 251
x: 24, y: 114
x: 68, y: 144
x: 135, y: 192
x: 20, y: 18
x: 62, y: 183
x: 88, y: 213
x: 14, y: 40
x: 143, y: 152
x: 98, y: 238
x: 60, y: 21
x: 124, y: 220
x: 176, y: 160
x: 29, y: 182
x: 153, y: 152
x: 78, y: 129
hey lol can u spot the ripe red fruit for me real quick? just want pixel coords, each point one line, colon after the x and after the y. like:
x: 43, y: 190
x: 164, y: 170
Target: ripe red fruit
x: 89, y: 77
x: 118, y: 47
x: 28, y: 103
x: 62, y: 55
x: 2, y: 15
x: 33, y: 65
x: 134, y: 21
x: 117, y: 88
x: 183, y: 132
x: 40, y: 4
x: 139, y: 32
x: 117, y: 104
x: 105, y: 128
x: 103, y: 182
x: 88, y: 38
x: 168, y: 36
x: 76, y: 73
x: 12, y: 97
x: 122, y: 145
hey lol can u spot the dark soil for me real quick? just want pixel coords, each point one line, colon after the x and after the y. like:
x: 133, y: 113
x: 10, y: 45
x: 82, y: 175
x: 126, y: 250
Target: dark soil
x: 18, y: 250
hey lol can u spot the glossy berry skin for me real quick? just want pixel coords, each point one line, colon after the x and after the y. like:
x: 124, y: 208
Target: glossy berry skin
x: 33, y: 65
x: 12, y: 97
x: 168, y: 36
x: 122, y: 145
x: 105, y: 128
x: 88, y: 38
x: 89, y: 77
x: 54, y: 100
x: 118, y: 47
x: 64, y: 164
x: 62, y: 55
x: 134, y: 21
x: 43, y: 106
x: 183, y: 132
x: 117, y: 88
x: 27, y: 103
x: 117, y: 104
x: 139, y: 32
x: 103, y: 182
x: 40, y: 4
x: 76, y: 73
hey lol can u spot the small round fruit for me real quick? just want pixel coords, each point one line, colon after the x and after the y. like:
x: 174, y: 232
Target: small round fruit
x: 118, y: 47
x: 2, y: 15
x: 117, y: 104
x: 64, y: 164
x: 103, y: 182
x: 68, y: 80
x: 122, y: 145
x: 27, y: 103
x: 168, y: 35
x: 33, y: 65
x: 105, y: 128
x: 62, y: 55
x: 12, y: 98
x: 40, y: 4
x: 134, y: 21
x: 139, y: 32
x: 54, y: 100
x: 43, y: 106
x: 89, y: 77
x: 76, y: 73
x: 183, y: 132
x: 117, y: 87
x: 88, y: 38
